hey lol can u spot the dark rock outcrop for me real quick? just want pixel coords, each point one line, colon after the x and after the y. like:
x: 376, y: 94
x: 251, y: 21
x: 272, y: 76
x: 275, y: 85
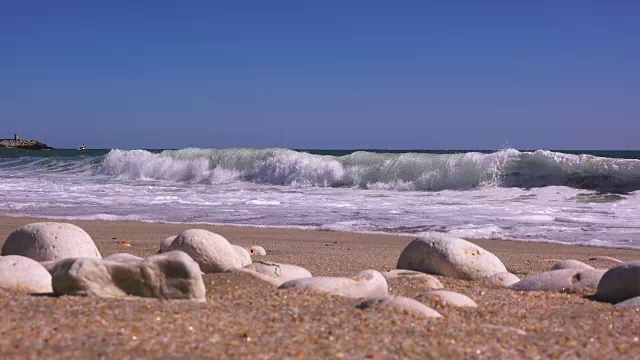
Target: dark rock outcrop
x: 24, y: 144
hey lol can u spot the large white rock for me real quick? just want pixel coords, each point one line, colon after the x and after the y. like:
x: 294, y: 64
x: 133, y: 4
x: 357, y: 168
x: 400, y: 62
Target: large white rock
x: 164, y: 245
x: 570, y: 264
x: 23, y: 274
x: 399, y: 303
x: 274, y: 273
x: 450, y: 298
x: 211, y: 251
x: 245, y: 256
x: 620, y: 283
x: 427, y: 280
x: 171, y: 275
x: 449, y: 256
x: 47, y: 241
x: 367, y: 283
x: 566, y: 280
x: 256, y: 250
x: 633, y: 302
x: 119, y: 257
x: 503, y: 279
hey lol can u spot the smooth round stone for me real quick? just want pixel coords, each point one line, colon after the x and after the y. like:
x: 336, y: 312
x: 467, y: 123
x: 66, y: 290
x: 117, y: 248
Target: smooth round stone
x: 23, y: 274
x: 567, y: 280
x: 212, y: 252
x: 606, y: 258
x: 449, y: 256
x: 428, y: 281
x: 503, y: 279
x: 166, y: 243
x: 401, y: 304
x: 49, y: 241
x: 256, y: 250
x: 367, y: 283
x: 620, y: 283
x: 570, y: 264
x: 244, y: 255
x: 274, y: 273
x: 449, y: 298
x: 170, y: 275
x: 633, y: 302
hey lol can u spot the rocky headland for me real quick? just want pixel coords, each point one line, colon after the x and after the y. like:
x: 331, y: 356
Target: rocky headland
x: 24, y: 144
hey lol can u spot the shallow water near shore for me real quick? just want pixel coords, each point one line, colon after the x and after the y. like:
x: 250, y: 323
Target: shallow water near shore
x: 532, y: 196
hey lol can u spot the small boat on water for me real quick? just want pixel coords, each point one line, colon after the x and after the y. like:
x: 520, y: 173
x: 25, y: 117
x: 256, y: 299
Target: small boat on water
x: 82, y: 147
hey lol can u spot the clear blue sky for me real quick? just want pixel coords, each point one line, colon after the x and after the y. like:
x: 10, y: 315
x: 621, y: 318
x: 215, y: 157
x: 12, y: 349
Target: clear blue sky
x: 322, y: 74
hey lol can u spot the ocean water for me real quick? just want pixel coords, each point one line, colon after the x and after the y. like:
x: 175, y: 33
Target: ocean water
x: 579, y: 197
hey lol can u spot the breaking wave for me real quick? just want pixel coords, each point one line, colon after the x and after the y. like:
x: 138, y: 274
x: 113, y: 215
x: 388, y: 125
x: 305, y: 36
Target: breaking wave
x: 402, y: 171
x: 394, y: 171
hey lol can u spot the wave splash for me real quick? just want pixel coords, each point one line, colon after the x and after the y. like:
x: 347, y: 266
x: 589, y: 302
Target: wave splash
x: 403, y: 171
x: 369, y: 170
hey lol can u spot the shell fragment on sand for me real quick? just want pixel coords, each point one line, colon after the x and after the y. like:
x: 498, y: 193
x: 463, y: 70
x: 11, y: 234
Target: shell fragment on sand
x: 274, y: 273
x: 367, y: 283
x: 449, y: 256
x: 570, y: 264
x: 256, y: 250
x: 606, y: 258
x: 171, y: 275
x: 427, y: 280
x: 50, y: 241
x: 451, y: 298
x: 565, y: 280
x: 620, y: 283
x: 399, y: 303
x: 23, y: 274
x: 503, y: 279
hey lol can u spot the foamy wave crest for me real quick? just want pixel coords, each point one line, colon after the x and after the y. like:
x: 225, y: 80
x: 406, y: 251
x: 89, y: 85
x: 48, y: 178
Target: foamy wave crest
x: 547, y: 168
x: 415, y: 171
x: 144, y: 165
x: 267, y: 166
x: 403, y: 171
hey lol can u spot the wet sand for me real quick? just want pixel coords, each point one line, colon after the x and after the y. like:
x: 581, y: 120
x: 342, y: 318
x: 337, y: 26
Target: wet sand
x: 246, y: 318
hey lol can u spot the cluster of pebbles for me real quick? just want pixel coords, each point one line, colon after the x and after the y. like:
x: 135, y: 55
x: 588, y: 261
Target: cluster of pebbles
x: 62, y: 259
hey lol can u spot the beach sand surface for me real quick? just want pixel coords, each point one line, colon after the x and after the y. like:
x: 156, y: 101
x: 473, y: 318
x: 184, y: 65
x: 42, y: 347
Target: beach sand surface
x: 247, y: 318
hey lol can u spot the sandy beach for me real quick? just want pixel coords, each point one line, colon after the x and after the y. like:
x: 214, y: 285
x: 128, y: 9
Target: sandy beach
x: 320, y: 180
x: 246, y: 318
